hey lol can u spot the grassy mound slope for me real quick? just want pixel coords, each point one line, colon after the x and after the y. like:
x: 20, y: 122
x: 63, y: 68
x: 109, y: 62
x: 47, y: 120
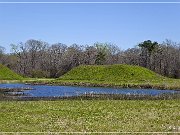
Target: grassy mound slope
x: 7, y: 74
x: 111, y: 73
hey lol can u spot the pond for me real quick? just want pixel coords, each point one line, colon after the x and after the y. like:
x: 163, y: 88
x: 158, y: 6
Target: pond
x: 72, y: 91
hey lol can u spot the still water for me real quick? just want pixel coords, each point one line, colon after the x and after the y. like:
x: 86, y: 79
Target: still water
x: 66, y: 91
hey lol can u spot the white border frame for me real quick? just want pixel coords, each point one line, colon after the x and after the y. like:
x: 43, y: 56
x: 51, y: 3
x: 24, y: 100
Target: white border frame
x: 88, y: 2
x: 53, y: 2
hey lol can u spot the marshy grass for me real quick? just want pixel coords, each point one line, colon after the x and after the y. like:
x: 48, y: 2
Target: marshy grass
x: 89, y: 96
x: 90, y: 116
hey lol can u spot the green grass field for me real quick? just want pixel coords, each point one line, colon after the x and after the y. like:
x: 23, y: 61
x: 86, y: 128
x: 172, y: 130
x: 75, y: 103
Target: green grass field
x: 90, y: 116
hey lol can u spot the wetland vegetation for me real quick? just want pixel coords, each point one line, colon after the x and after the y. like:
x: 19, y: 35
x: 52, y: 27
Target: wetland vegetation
x: 90, y: 116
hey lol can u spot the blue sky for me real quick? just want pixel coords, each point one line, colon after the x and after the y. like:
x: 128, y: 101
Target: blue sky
x: 122, y: 24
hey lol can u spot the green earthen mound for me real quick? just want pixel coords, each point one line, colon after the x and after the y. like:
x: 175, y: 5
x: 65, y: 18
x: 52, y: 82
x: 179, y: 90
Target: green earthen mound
x: 7, y: 74
x: 110, y: 73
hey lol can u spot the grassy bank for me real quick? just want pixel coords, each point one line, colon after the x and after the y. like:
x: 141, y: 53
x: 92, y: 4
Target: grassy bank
x: 90, y: 115
x: 167, y: 83
x: 153, y: 84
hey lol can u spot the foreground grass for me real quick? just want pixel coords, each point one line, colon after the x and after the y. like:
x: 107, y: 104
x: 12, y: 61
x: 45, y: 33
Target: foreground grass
x: 90, y: 115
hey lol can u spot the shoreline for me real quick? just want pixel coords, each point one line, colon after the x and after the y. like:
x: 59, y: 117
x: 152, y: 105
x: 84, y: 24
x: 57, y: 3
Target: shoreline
x: 86, y: 83
x: 107, y: 85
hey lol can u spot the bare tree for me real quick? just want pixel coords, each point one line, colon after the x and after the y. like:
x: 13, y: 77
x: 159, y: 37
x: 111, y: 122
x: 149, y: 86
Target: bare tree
x: 39, y: 59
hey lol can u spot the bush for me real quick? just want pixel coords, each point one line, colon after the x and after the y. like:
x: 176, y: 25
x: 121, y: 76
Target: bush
x: 39, y: 74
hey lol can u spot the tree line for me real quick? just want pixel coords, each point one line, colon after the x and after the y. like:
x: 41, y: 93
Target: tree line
x: 36, y: 58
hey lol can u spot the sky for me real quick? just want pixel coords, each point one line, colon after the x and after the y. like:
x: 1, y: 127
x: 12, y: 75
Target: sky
x: 125, y: 25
